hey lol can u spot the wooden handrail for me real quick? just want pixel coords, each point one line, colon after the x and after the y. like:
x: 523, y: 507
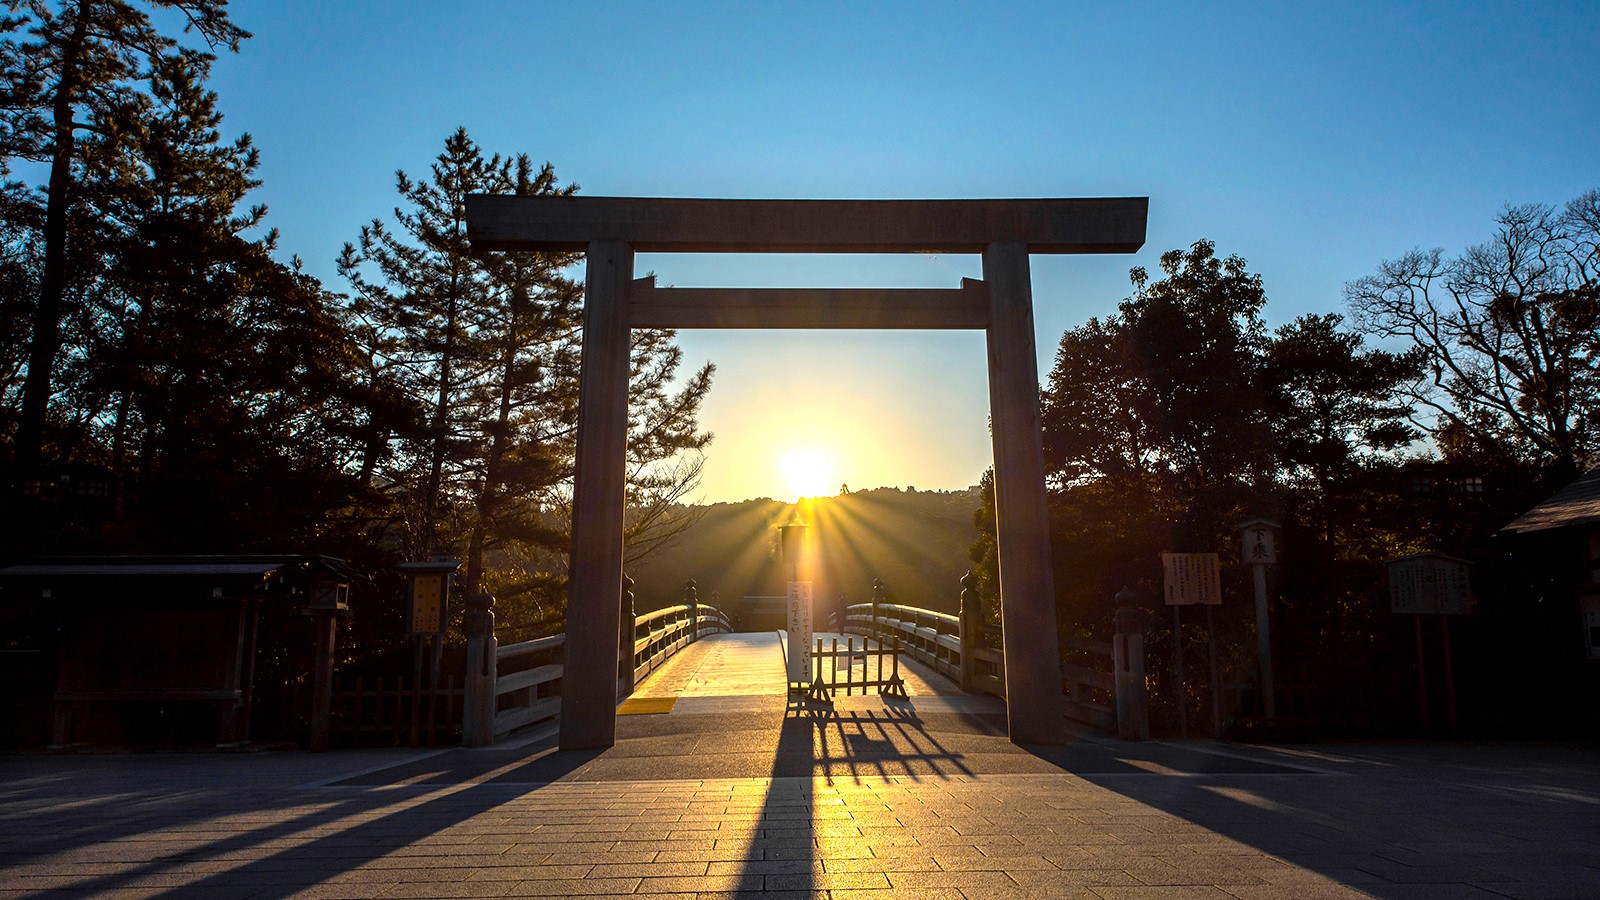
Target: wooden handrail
x: 517, y: 652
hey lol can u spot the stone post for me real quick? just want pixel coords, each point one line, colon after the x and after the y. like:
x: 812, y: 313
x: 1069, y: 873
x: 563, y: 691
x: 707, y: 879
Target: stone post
x: 1133, y: 701
x: 969, y: 628
x: 477, y: 716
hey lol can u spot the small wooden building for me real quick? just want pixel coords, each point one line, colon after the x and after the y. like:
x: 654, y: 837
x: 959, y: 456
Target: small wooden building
x: 1570, y: 519
x: 152, y: 649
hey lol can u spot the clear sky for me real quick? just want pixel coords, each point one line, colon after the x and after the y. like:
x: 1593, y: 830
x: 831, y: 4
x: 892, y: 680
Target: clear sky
x: 1314, y: 140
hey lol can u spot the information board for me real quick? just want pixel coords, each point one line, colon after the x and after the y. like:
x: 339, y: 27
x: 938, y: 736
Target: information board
x: 427, y: 603
x: 1429, y: 584
x: 800, y: 637
x: 1192, y: 578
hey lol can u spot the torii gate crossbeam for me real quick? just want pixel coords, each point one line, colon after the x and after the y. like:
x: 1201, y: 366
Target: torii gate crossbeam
x: 611, y: 229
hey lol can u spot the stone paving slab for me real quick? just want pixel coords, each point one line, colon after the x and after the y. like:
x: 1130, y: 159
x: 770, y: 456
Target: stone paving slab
x: 1391, y: 822
x: 744, y: 796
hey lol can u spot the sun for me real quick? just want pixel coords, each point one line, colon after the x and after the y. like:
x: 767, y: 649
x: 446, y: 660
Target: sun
x: 809, y: 472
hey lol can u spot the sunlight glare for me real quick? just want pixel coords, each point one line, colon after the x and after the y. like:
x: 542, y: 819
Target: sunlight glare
x: 809, y: 472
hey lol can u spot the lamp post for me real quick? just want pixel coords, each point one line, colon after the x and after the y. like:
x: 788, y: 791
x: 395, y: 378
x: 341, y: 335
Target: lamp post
x: 427, y: 599
x: 329, y: 598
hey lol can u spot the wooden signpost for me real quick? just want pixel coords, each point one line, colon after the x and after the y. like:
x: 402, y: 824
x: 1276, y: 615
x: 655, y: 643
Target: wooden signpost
x: 1431, y: 584
x: 798, y: 604
x: 1190, y: 579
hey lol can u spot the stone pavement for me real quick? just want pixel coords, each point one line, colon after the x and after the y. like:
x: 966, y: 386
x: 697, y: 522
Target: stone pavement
x: 924, y: 799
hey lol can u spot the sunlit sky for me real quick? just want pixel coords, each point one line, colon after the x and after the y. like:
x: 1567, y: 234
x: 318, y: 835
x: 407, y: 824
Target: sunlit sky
x: 1312, y: 139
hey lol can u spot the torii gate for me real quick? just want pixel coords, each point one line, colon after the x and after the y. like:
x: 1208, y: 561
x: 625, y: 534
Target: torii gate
x: 611, y: 229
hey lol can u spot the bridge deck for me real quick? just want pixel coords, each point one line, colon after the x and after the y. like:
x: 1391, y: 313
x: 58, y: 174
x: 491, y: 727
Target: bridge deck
x: 733, y: 671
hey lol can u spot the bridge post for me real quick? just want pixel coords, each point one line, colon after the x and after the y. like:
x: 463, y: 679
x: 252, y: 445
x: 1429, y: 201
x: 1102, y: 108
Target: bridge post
x: 588, y: 685
x: 1027, y: 594
x: 691, y: 599
x: 477, y: 714
x: 877, y: 598
x: 626, y: 634
x: 969, y: 628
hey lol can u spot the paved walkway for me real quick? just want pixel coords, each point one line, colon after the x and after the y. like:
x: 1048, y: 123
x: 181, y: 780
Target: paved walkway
x: 730, y: 794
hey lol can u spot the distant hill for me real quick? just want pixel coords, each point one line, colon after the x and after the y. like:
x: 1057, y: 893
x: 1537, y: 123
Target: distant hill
x: 916, y: 541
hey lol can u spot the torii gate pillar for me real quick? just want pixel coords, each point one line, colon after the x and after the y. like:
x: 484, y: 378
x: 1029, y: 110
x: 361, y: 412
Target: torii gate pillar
x: 610, y: 229
x: 1027, y: 591
x: 589, y: 679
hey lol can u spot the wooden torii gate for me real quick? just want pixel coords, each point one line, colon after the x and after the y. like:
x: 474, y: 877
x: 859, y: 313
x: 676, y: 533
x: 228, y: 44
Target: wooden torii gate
x: 611, y: 229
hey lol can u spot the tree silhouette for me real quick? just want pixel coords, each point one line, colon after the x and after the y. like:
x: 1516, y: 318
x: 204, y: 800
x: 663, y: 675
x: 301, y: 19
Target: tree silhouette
x: 80, y: 63
x: 1510, y: 331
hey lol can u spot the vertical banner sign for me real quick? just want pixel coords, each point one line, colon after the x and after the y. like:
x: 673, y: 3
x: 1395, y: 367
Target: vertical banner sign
x: 800, y: 631
x: 427, y: 606
x: 1192, y: 578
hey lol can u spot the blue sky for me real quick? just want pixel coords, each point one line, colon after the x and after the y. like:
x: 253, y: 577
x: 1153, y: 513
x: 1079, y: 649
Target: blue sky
x: 1313, y: 140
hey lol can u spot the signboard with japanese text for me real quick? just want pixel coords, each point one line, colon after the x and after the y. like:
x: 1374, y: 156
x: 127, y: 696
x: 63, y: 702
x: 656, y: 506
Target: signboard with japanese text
x: 1258, y: 545
x: 427, y: 603
x: 800, y: 637
x: 1192, y: 578
x: 1430, y: 584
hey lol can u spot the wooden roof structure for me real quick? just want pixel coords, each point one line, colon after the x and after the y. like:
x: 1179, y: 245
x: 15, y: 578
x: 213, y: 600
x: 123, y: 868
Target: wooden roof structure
x: 1576, y: 504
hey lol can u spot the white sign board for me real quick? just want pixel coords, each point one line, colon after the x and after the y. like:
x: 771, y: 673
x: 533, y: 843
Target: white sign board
x: 1590, y: 604
x: 800, y: 631
x: 1260, y: 545
x: 1192, y: 578
x: 1429, y: 584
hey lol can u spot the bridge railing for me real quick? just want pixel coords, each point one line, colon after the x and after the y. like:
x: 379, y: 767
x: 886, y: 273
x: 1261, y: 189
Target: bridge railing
x: 658, y: 635
x: 530, y: 688
x: 1103, y: 682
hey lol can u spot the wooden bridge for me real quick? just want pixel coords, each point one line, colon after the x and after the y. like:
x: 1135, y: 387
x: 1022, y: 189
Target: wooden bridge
x: 934, y: 654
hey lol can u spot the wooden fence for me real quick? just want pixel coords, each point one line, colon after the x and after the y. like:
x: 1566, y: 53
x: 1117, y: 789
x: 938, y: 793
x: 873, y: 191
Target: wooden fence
x: 383, y: 710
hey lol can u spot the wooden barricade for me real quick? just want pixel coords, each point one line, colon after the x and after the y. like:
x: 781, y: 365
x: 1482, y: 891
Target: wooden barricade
x: 825, y: 668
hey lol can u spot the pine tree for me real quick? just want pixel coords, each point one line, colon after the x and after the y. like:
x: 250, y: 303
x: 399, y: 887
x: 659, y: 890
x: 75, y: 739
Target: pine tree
x: 82, y: 59
x: 212, y: 381
x: 486, y: 348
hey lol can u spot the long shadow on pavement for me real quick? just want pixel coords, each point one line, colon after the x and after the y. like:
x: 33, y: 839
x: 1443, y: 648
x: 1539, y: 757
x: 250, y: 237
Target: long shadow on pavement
x: 1393, y: 822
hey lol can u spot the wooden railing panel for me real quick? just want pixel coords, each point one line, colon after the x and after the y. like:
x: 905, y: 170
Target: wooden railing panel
x: 525, y: 697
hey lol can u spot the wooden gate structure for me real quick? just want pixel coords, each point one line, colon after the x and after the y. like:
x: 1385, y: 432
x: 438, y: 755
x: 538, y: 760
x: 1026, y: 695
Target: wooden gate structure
x: 611, y: 229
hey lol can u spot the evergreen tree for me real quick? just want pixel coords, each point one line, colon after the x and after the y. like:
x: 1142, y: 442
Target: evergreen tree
x: 212, y: 381
x: 1164, y: 402
x: 82, y: 59
x: 422, y: 309
x: 485, y: 347
x: 1341, y: 410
